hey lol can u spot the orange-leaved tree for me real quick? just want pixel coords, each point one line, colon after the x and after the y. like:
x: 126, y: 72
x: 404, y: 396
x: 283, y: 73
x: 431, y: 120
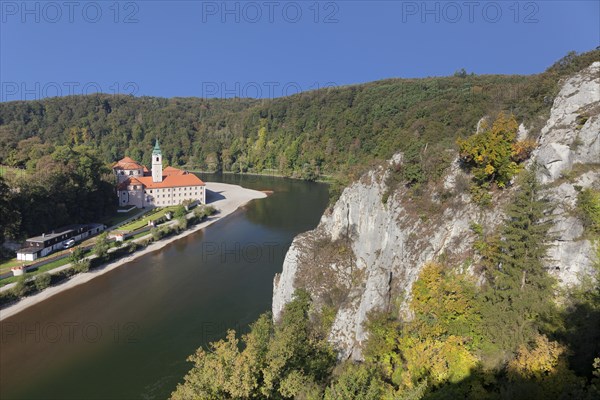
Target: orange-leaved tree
x: 494, y: 154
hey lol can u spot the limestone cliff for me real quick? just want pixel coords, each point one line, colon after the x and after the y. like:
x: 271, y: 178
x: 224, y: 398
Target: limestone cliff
x: 367, y: 251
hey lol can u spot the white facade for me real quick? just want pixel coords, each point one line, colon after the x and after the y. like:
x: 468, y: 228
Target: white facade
x: 123, y: 175
x: 43, y: 245
x: 140, y: 197
x: 163, y: 197
x: 157, y: 172
x: 158, y: 188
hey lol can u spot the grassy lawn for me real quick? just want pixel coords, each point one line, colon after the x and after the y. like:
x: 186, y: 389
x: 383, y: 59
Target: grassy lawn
x: 44, y: 268
x: 119, y: 217
x: 140, y: 223
x: 7, y: 265
x: 138, y: 235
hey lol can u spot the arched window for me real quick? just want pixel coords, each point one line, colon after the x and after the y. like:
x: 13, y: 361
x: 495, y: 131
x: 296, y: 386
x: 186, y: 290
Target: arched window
x: 156, y: 159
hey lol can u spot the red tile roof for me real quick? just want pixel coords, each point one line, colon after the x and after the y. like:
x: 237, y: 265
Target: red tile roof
x: 128, y: 163
x: 173, y: 178
x: 172, y: 171
x: 130, y: 181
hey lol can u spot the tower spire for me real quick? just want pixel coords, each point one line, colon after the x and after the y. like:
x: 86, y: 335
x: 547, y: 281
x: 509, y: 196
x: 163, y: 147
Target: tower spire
x: 156, y: 163
x: 156, y: 147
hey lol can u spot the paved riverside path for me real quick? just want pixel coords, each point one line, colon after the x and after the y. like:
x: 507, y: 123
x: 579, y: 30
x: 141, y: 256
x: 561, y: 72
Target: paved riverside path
x: 48, y: 259
x: 225, y: 198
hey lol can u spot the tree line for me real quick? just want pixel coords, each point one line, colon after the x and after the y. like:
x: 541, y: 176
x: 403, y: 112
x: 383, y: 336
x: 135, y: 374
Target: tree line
x: 306, y: 135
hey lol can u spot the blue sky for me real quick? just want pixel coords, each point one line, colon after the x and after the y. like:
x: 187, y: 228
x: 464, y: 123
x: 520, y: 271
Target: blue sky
x: 273, y: 48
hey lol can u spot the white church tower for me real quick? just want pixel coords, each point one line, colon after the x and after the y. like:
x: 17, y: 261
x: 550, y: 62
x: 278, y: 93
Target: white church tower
x: 157, y: 163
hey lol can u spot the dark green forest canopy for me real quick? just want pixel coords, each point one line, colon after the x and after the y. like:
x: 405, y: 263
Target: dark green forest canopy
x: 66, y: 144
x: 305, y: 135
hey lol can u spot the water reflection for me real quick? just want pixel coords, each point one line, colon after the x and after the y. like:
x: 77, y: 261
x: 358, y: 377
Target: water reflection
x: 127, y: 334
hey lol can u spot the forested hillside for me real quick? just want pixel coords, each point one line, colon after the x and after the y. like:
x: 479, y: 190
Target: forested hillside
x: 334, y: 131
x: 312, y: 133
x: 409, y: 289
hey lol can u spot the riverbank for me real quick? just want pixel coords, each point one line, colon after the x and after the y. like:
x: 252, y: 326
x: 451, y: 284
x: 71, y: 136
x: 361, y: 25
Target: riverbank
x: 323, y: 178
x: 224, y: 197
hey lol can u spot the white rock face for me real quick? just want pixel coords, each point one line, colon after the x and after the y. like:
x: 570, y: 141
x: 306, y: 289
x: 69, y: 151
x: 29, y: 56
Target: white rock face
x: 570, y: 256
x: 566, y: 142
x: 284, y: 282
x: 389, y: 243
x: 563, y: 143
x: 389, y: 246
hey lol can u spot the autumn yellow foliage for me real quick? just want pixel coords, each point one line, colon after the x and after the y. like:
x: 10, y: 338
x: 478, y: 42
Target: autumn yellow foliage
x: 541, y: 361
x: 494, y: 154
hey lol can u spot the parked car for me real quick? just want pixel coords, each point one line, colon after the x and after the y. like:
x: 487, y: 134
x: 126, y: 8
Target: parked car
x: 69, y: 243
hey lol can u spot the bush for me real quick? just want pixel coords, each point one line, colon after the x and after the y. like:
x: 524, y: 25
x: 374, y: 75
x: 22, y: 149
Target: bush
x: 182, y: 223
x: 493, y: 155
x: 156, y: 233
x: 132, y: 247
x: 20, y: 288
x: 102, y: 245
x: 42, y: 281
x: 179, y: 212
x: 202, y: 212
x: 588, y: 205
x: 77, y: 255
x: 82, y: 266
x: 7, y: 296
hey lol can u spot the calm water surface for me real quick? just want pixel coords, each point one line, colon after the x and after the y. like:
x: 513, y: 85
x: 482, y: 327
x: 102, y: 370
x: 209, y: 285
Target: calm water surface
x: 127, y: 334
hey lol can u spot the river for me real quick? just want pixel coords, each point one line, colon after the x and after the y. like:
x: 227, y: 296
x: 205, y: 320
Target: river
x: 126, y: 334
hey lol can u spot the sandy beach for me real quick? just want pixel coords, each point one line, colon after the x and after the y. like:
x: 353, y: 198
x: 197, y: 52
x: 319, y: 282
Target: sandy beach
x: 224, y: 197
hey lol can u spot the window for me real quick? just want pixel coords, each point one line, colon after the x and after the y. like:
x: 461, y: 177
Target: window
x: 156, y: 159
x: 130, y: 172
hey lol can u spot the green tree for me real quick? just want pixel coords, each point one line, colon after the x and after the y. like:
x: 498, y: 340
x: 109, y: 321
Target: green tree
x: 357, y: 382
x: 180, y: 212
x: 21, y: 288
x: 520, y: 290
x: 9, y: 214
x: 285, y: 360
x: 42, y: 281
x: 76, y: 255
x: 101, y: 246
x: 493, y: 154
x: 588, y: 205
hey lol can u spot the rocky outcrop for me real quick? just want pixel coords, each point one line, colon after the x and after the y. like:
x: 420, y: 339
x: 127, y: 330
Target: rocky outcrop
x: 568, y: 158
x: 369, y: 248
x: 571, y: 134
x: 365, y: 254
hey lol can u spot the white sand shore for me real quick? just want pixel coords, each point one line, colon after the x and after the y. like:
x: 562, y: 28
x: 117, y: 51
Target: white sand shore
x: 224, y: 197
